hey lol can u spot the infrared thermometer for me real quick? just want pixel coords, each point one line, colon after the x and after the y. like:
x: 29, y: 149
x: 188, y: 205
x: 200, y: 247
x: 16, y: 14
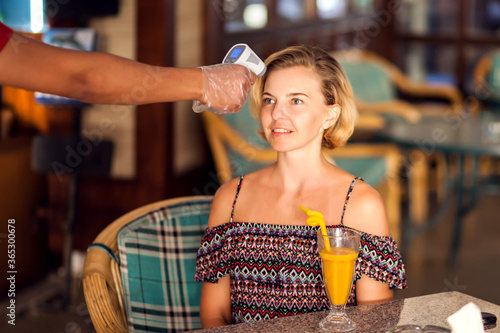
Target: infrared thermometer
x: 242, y: 54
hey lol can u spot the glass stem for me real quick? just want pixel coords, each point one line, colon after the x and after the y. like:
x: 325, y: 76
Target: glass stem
x: 337, y: 312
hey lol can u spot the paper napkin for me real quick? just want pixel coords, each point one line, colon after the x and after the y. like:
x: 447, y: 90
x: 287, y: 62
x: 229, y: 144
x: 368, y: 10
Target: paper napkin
x: 467, y: 320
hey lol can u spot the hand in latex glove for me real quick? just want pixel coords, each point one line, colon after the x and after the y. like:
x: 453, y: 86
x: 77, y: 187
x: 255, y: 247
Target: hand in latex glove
x: 225, y: 88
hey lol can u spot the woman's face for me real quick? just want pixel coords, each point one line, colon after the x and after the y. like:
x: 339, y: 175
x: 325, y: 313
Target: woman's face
x: 294, y: 114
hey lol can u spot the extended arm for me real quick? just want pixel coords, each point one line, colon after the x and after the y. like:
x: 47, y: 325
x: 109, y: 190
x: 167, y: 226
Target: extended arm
x: 101, y: 78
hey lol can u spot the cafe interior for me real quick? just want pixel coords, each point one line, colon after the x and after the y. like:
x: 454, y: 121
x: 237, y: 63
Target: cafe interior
x: 76, y: 178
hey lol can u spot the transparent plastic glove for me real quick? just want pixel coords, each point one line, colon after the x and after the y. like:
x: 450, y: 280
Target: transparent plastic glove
x: 225, y: 88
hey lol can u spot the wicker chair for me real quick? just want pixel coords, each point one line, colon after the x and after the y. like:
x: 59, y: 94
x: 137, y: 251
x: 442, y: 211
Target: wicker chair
x: 486, y: 80
x: 164, y: 234
x: 377, y: 84
x: 486, y: 84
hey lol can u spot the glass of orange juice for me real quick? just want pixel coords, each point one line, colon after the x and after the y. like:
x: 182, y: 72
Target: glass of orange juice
x: 338, y: 250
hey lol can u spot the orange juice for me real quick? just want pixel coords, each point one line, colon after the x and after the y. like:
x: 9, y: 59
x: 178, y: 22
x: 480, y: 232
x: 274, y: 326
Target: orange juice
x: 338, y: 270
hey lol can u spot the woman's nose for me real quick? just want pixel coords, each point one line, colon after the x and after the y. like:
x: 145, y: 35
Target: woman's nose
x: 278, y: 111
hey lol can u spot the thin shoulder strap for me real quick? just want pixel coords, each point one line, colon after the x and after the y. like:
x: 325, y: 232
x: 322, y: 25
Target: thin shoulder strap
x: 347, y: 198
x: 236, y: 197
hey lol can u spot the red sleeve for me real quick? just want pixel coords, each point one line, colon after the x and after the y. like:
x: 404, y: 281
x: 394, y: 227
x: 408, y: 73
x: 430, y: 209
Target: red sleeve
x: 5, y: 33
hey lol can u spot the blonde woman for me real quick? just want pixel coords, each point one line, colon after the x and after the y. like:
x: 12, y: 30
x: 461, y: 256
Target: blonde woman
x: 259, y: 259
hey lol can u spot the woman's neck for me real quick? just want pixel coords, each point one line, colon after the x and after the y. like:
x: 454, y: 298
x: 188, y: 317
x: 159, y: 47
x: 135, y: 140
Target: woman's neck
x: 298, y: 170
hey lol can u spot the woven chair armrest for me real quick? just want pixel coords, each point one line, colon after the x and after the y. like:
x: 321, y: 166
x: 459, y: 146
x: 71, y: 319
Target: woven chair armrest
x: 101, y: 309
x: 392, y: 107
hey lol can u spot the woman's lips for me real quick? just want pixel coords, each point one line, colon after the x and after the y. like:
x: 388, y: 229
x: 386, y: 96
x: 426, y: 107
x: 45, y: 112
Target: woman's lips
x: 280, y: 131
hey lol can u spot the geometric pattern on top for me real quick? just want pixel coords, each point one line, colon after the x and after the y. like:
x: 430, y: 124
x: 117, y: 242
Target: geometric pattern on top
x: 157, y: 264
x: 275, y: 269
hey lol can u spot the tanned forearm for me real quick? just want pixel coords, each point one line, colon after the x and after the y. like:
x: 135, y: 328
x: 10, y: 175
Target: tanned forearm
x: 93, y: 77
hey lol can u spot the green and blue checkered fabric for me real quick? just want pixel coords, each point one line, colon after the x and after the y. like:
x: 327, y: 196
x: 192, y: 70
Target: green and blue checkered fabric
x: 158, y: 261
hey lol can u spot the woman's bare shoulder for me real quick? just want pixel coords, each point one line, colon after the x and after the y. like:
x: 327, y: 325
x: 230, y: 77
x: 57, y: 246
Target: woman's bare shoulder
x: 220, y: 212
x: 366, y: 210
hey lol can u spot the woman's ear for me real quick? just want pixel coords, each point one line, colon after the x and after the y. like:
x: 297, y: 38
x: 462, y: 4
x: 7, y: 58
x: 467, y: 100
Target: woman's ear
x: 333, y: 115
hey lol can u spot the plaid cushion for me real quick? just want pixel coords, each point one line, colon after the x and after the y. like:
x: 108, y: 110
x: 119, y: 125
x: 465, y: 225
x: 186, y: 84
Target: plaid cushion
x: 158, y: 262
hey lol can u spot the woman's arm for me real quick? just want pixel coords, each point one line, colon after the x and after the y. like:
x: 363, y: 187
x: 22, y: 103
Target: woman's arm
x: 215, y: 306
x: 370, y: 291
x: 102, y: 78
x: 366, y: 212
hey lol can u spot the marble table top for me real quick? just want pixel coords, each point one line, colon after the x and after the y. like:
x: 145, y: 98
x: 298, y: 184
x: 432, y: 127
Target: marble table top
x: 423, y: 310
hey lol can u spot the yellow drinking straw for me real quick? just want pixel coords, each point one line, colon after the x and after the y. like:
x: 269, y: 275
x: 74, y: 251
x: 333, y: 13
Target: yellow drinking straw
x: 315, y: 219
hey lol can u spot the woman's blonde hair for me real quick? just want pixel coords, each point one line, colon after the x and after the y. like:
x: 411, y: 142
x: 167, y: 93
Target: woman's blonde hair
x: 335, y: 88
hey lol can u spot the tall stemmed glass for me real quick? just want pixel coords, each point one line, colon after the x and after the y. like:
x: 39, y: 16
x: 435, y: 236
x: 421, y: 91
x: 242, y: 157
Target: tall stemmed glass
x: 338, y: 249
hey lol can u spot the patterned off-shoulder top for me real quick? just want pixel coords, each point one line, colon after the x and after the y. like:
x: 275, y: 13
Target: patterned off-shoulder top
x: 275, y: 270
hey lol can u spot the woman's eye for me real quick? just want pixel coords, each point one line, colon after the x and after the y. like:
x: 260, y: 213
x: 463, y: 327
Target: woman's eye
x: 268, y: 101
x: 297, y: 101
